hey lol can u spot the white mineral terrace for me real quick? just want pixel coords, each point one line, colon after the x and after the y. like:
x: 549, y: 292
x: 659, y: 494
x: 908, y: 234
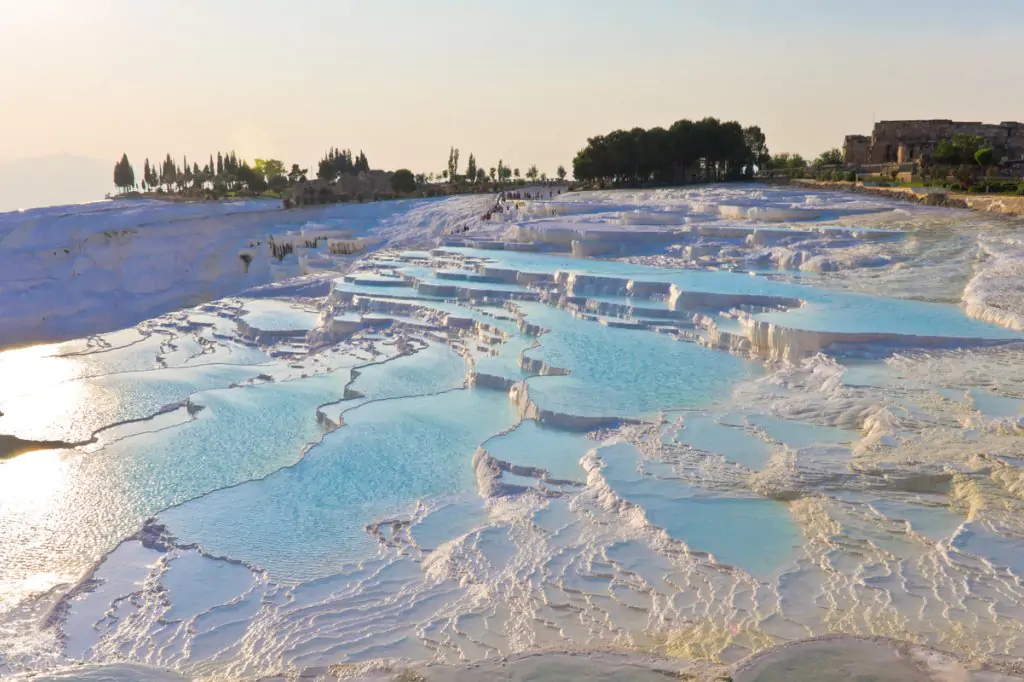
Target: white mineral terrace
x: 741, y: 432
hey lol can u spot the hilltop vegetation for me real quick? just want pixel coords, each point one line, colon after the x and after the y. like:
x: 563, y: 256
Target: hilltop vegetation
x: 688, y: 151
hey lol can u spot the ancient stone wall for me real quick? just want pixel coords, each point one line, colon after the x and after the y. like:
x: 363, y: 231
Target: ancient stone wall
x: 365, y: 186
x: 857, y: 150
x: 908, y: 141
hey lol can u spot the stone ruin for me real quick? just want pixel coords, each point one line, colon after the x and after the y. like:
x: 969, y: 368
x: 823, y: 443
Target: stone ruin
x: 904, y: 142
x: 367, y: 186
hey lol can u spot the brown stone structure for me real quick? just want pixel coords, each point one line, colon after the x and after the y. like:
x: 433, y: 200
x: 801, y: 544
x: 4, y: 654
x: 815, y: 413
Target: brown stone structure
x: 367, y: 186
x: 908, y: 141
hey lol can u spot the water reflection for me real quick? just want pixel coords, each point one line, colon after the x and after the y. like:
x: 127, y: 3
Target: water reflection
x: 31, y: 488
x: 37, y: 373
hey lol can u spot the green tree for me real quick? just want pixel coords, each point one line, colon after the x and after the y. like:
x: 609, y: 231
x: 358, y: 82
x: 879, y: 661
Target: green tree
x: 403, y: 181
x: 985, y: 157
x: 832, y: 157
x: 560, y: 173
x: 471, y: 168
x: 708, y: 149
x: 124, y: 174
x: 959, y: 150
x: 493, y: 172
x: 453, y: 164
x: 296, y: 174
x: 481, y: 175
x: 361, y: 164
x: 249, y: 177
x: 271, y: 169
x: 168, y: 173
x: 515, y: 172
x: 531, y: 173
x: 220, y: 165
x: 755, y: 140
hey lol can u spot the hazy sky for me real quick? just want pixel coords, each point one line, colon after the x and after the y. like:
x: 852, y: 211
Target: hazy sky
x: 527, y: 80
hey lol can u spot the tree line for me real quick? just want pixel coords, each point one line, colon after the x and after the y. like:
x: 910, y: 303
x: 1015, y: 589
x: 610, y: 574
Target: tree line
x: 226, y: 172
x: 221, y: 174
x: 338, y: 162
x: 687, y: 151
x: 477, y: 174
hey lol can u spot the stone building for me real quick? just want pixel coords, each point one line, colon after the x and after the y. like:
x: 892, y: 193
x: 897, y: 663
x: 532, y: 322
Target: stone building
x: 366, y: 186
x: 908, y: 141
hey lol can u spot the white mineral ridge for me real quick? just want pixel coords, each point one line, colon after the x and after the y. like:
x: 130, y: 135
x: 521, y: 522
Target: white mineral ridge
x: 116, y: 672
x: 86, y: 269
x: 996, y: 291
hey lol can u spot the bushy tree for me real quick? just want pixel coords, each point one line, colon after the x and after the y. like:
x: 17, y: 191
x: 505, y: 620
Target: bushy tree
x: 531, y: 173
x: 481, y: 175
x: 338, y: 162
x: 959, y: 150
x: 560, y: 173
x: 253, y: 180
x: 296, y: 174
x: 832, y: 157
x: 707, y: 149
x: 785, y: 160
x: 361, y: 163
x: 272, y: 170
x: 757, y: 144
x: 403, y: 181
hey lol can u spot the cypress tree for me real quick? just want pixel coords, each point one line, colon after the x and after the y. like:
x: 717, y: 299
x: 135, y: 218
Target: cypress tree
x: 119, y: 174
x: 124, y: 174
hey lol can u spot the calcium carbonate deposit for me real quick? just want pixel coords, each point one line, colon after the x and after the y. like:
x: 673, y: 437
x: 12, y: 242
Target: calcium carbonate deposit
x: 683, y: 428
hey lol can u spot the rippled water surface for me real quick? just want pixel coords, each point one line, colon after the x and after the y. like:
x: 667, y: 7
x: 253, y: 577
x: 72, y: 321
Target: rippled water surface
x: 728, y: 437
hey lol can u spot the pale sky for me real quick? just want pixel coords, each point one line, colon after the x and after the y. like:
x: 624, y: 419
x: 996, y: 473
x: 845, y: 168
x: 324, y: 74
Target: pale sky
x: 527, y: 81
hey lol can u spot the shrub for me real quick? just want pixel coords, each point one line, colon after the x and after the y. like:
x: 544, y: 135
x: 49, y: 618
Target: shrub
x: 1020, y: 189
x: 851, y: 176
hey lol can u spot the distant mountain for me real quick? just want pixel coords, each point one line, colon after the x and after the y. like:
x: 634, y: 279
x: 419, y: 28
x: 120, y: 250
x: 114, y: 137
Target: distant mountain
x: 53, y: 180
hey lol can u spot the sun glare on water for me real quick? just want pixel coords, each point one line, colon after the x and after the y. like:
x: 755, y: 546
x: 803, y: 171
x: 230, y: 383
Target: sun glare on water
x: 37, y: 389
